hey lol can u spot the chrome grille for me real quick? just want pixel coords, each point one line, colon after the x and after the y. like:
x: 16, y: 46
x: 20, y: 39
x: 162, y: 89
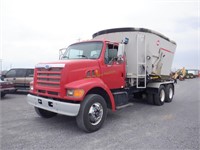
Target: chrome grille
x: 49, y: 78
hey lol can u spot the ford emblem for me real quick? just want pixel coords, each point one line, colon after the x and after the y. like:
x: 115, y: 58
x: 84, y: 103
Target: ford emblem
x: 47, y: 67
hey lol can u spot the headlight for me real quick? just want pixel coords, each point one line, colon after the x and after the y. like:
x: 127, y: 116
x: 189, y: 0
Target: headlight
x: 75, y: 92
x: 70, y: 92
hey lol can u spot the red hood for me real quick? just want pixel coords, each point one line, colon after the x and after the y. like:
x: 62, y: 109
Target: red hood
x: 72, y: 70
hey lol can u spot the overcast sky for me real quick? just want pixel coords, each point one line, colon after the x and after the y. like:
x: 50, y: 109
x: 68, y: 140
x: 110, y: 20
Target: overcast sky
x: 33, y: 31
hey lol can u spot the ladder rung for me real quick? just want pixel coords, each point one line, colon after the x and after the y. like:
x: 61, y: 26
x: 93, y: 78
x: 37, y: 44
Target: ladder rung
x: 141, y: 75
x: 141, y: 87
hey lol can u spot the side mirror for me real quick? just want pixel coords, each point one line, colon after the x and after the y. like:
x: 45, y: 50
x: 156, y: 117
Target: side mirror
x: 120, y: 52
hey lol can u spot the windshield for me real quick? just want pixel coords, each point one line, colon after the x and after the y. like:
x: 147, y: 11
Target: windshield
x: 87, y: 50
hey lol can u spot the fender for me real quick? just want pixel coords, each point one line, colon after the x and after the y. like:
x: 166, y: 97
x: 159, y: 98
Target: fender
x: 157, y: 84
x: 88, y: 84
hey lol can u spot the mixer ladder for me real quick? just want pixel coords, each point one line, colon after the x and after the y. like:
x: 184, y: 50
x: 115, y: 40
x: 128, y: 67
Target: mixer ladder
x: 141, y: 61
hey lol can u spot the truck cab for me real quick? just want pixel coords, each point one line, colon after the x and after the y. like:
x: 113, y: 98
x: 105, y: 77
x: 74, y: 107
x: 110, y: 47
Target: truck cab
x: 86, y: 69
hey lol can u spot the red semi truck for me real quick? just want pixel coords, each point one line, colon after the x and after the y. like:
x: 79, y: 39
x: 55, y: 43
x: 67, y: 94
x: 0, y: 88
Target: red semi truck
x: 104, y: 73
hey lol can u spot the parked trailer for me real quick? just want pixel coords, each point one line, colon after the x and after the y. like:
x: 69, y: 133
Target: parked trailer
x: 103, y: 73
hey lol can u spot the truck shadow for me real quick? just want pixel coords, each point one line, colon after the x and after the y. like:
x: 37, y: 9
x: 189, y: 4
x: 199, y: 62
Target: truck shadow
x: 21, y: 92
x: 68, y: 124
x: 7, y: 97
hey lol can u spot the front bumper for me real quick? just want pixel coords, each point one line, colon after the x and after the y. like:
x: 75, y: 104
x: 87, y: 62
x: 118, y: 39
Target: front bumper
x: 64, y: 108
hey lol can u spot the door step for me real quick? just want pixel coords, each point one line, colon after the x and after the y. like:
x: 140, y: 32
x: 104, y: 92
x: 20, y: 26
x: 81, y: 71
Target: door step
x: 124, y: 106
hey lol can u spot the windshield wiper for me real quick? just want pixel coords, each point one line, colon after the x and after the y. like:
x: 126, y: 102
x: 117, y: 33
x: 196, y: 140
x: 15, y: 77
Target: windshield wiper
x: 83, y: 56
x: 65, y: 57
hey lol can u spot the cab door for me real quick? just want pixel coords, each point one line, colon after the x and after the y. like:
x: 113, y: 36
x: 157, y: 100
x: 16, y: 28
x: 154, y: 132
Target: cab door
x: 112, y: 71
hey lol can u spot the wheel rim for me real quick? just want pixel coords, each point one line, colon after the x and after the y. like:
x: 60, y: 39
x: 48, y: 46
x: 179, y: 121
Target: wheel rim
x: 162, y: 95
x: 170, y: 93
x: 95, y: 113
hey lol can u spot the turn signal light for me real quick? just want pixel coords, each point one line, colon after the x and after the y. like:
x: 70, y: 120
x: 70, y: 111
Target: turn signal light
x: 78, y: 93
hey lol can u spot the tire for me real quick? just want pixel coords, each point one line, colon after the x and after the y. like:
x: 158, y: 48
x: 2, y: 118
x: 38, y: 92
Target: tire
x: 150, y: 99
x: 92, y: 113
x: 169, y: 93
x: 2, y: 95
x: 159, y: 98
x: 138, y: 95
x: 44, y: 113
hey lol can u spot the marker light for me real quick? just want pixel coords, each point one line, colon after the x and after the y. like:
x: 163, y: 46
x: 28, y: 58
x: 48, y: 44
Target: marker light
x: 96, y: 72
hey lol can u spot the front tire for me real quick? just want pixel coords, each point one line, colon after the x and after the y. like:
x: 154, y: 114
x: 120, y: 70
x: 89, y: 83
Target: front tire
x: 92, y: 113
x: 44, y: 113
x: 150, y: 98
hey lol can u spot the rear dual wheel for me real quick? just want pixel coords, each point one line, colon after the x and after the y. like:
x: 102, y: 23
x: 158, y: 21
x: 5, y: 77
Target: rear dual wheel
x: 169, y: 93
x: 165, y: 94
x: 159, y: 98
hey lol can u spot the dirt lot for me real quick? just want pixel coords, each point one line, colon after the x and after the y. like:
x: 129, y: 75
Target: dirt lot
x: 174, y: 125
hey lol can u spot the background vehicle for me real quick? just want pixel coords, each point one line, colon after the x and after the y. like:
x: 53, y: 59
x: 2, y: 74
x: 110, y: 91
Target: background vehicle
x: 21, y: 77
x: 103, y: 73
x: 180, y: 74
x: 192, y: 73
x: 6, y: 88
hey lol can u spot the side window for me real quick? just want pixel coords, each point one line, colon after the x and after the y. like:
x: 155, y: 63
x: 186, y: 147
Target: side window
x: 11, y: 73
x: 111, y: 53
x: 21, y: 73
x: 29, y: 73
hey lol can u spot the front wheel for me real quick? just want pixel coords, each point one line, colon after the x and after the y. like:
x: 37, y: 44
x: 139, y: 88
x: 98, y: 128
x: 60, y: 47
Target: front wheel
x: 44, y: 113
x: 92, y: 113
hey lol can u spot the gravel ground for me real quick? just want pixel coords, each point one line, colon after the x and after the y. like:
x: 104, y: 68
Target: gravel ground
x: 174, y: 125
